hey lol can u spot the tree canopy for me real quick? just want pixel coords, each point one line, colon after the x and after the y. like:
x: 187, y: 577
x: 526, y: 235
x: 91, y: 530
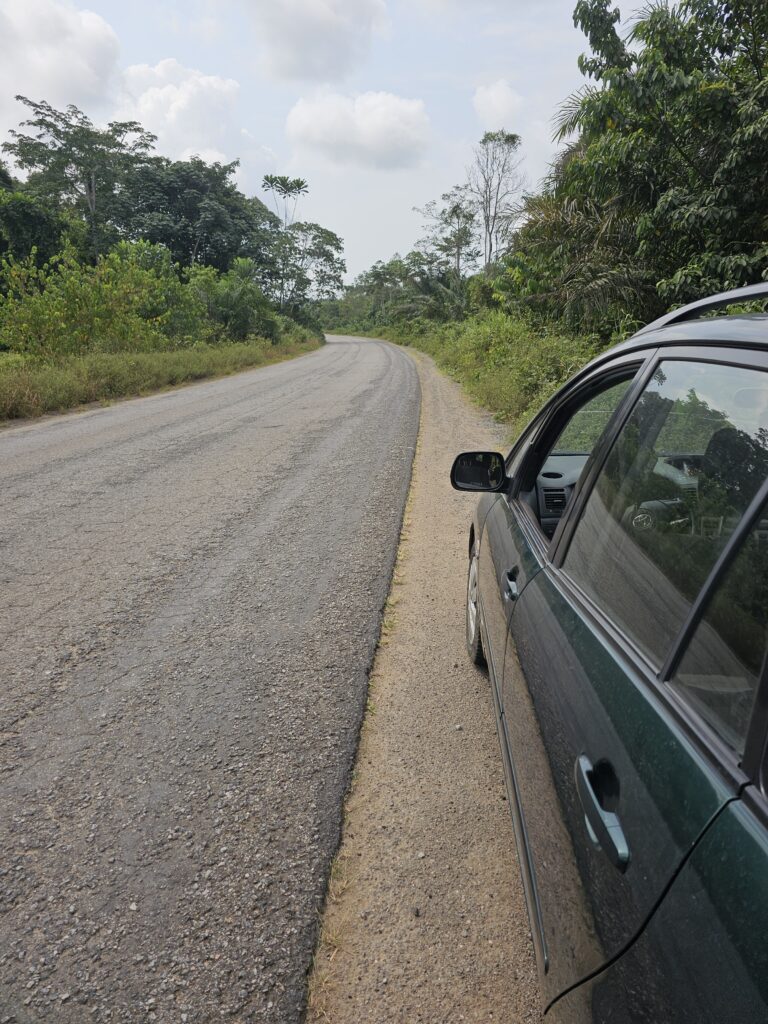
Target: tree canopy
x: 91, y: 189
x: 660, y: 195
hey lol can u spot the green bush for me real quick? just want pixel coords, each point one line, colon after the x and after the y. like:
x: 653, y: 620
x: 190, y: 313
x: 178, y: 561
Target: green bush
x: 506, y: 364
x: 233, y: 302
x: 131, y: 300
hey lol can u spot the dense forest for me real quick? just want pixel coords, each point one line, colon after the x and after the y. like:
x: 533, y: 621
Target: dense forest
x: 121, y: 270
x: 658, y: 196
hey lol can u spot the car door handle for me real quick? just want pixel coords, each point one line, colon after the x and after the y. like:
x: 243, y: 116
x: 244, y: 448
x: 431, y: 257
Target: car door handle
x: 510, y: 584
x: 603, y: 826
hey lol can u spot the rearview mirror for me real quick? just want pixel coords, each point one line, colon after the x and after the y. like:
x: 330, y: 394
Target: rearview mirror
x: 479, y: 471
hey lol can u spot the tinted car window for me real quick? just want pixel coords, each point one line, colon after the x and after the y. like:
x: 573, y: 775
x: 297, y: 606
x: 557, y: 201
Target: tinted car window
x: 680, y: 475
x: 721, y: 668
x: 585, y: 428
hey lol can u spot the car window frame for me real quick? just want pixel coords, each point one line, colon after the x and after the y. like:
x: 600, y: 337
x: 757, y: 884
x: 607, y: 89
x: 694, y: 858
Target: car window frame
x: 547, y: 426
x: 738, y: 771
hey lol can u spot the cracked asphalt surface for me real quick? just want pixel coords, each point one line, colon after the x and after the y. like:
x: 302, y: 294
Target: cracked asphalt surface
x: 192, y: 586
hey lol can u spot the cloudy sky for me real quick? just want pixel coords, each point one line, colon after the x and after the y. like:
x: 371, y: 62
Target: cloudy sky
x: 377, y: 103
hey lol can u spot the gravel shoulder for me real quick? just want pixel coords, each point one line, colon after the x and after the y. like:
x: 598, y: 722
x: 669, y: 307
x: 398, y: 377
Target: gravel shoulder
x: 425, y: 919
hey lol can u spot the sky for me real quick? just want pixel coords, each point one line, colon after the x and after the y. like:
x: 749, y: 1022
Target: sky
x: 376, y: 103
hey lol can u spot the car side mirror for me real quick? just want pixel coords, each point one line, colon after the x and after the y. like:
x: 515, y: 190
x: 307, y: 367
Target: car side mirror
x: 479, y: 471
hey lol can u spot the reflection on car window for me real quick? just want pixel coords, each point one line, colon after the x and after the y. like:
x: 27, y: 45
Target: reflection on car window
x: 721, y: 668
x: 679, y: 477
x: 584, y: 429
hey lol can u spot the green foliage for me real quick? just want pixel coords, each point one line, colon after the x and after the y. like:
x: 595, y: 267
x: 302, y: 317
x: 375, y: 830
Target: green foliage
x: 76, y: 164
x: 308, y: 267
x: 234, y: 301
x: 452, y: 231
x: 662, y: 195
x: 196, y: 210
x: 129, y: 300
x: 6, y: 181
x: 27, y: 224
x: 507, y: 364
x: 286, y: 190
x: 97, y: 187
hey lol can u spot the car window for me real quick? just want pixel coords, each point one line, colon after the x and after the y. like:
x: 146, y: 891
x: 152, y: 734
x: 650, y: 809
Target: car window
x: 549, y: 484
x: 722, y: 665
x: 681, y: 473
x: 585, y: 428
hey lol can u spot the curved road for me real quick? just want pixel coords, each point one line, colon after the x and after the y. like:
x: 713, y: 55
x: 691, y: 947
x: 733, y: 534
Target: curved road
x: 192, y: 586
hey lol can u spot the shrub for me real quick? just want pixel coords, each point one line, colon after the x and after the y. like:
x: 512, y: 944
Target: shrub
x: 506, y: 364
x: 130, y: 300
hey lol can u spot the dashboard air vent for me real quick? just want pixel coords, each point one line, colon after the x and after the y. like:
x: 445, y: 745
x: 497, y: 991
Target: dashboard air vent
x: 554, y: 500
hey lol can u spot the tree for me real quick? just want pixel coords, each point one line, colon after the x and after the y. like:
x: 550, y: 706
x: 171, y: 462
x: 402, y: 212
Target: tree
x: 676, y: 133
x: 76, y: 164
x: 234, y: 301
x: 6, y: 181
x: 197, y: 211
x: 27, y: 223
x: 286, y: 190
x: 495, y: 182
x: 661, y: 195
x: 452, y: 229
x: 309, y: 266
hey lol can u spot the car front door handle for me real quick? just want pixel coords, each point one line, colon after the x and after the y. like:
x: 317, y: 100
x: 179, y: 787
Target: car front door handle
x: 510, y: 584
x: 603, y: 826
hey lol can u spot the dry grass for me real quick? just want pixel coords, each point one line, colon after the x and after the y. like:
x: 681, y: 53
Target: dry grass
x: 31, y: 388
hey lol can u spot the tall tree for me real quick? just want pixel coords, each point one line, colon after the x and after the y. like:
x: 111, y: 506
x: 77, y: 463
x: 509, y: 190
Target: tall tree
x: 452, y: 229
x: 285, y: 191
x: 495, y: 182
x: 6, y: 180
x: 309, y: 265
x: 77, y: 164
x: 662, y: 193
x: 27, y: 223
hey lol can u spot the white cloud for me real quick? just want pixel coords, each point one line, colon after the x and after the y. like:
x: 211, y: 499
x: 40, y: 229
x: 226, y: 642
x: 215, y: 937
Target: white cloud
x: 374, y: 129
x: 189, y: 111
x: 316, y: 40
x: 497, y: 105
x: 51, y: 51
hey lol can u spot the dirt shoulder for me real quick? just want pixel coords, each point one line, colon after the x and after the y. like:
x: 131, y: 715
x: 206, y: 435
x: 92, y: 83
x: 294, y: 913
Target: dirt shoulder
x: 425, y: 919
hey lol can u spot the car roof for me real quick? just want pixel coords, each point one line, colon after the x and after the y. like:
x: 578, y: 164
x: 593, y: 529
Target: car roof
x: 745, y: 330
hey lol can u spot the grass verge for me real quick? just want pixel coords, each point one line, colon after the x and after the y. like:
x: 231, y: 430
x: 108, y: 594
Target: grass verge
x: 30, y: 388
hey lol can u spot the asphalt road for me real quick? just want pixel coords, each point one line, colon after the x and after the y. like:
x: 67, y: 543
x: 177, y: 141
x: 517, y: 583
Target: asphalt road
x: 191, y: 594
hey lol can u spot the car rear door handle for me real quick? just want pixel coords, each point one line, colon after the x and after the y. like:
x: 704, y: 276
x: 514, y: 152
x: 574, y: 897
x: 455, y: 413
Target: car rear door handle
x: 603, y: 826
x: 510, y: 584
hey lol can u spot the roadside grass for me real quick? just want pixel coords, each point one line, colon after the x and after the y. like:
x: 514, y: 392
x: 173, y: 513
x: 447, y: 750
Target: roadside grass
x: 31, y: 388
x: 507, y: 365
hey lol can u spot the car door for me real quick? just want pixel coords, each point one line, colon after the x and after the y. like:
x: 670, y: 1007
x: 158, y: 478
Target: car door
x: 511, y: 551
x: 613, y: 790
x: 702, y: 957
x: 508, y: 560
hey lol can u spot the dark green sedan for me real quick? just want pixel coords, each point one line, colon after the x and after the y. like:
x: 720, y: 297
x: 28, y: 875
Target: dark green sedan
x: 618, y: 591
